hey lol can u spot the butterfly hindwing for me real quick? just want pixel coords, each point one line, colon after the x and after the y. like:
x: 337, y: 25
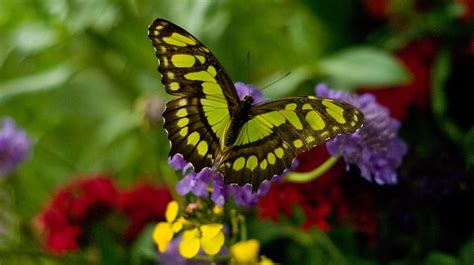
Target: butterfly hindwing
x: 205, y: 96
x: 188, y: 134
x: 278, y: 130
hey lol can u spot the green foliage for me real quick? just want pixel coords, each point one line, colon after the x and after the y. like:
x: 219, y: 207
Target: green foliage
x: 143, y: 249
x: 439, y: 258
x: 363, y: 67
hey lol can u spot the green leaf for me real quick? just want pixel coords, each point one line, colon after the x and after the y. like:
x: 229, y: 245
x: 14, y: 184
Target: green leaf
x: 283, y: 84
x: 363, y: 66
x: 469, y: 148
x: 33, y: 37
x: 143, y: 248
x: 466, y: 253
x: 110, y: 251
x: 439, y: 104
x: 40, y: 82
x: 439, y: 258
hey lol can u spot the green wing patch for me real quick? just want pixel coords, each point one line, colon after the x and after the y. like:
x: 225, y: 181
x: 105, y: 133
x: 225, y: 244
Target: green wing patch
x: 270, y: 141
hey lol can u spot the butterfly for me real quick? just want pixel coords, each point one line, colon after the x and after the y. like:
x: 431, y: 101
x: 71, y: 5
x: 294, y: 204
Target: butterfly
x: 210, y: 126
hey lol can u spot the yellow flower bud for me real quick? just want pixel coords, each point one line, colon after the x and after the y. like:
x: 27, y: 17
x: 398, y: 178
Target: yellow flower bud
x: 217, y: 210
x: 245, y: 251
x: 171, y: 211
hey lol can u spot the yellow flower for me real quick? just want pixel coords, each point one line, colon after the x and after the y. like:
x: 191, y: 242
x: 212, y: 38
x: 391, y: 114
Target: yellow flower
x: 164, y: 231
x: 208, y: 237
x: 245, y: 252
x: 217, y: 210
x: 265, y: 261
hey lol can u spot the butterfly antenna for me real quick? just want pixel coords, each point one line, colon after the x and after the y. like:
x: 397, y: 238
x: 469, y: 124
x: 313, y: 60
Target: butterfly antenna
x: 248, y: 71
x: 276, y: 81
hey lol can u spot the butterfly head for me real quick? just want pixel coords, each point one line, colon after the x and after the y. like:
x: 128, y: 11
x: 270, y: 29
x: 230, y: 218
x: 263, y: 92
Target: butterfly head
x: 248, y: 99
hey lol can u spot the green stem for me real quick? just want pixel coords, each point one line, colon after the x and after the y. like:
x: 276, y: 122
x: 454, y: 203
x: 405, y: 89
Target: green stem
x: 235, y: 225
x: 243, y: 228
x: 326, y: 243
x: 439, y: 104
x: 303, y: 177
x: 315, y: 237
x: 303, y: 239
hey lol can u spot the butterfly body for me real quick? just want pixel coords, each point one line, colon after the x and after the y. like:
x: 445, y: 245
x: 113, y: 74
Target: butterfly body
x: 210, y: 126
x: 241, y: 116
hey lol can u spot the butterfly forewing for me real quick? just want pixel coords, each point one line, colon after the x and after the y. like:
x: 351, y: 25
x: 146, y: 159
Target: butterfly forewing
x: 204, y: 94
x: 278, y: 130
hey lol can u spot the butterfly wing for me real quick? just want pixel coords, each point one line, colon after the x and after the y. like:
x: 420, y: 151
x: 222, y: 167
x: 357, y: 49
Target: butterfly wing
x: 268, y: 143
x: 205, y: 97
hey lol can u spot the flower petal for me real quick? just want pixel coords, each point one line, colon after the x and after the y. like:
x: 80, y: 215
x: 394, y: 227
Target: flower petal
x: 245, y: 251
x: 172, y: 211
x: 162, y: 235
x: 189, y: 246
x: 211, y: 230
x: 265, y: 261
x: 212, y: 245
x: 176, y: 227
x: 217, y: 210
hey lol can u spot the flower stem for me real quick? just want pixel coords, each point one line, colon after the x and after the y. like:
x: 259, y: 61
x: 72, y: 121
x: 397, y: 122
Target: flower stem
x: 315, y: 237
x: 303, y: 177
x: 243, y: 228
x: 326, y: 243
x: 235, y: 225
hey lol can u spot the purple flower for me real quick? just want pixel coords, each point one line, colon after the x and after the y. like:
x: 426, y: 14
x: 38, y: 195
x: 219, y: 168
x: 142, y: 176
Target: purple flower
x: 178, y: 162
x: 198, y: 184
x: 14, y: 146
x: 376, y: 148
x: 248, y: 90
x: 171, y: 256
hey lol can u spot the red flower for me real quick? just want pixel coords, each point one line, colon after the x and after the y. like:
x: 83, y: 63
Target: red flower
x: 418, y: 58
x: 279, y: 200
x: 377, y: 8
x: 143, y: 204
x: 61, y: 241
x: 323, y: 200
x: 318, y: 199
x: 88, y: 201
x: 71, y: 208
x: 468, y: 9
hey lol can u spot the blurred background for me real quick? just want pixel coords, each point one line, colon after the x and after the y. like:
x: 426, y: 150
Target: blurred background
x: 79, y: 77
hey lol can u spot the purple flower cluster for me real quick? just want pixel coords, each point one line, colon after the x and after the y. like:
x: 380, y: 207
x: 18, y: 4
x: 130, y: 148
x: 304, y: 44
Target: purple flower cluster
x: 198, y: 183
x: 376, y: 148
x: 14, y: 146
